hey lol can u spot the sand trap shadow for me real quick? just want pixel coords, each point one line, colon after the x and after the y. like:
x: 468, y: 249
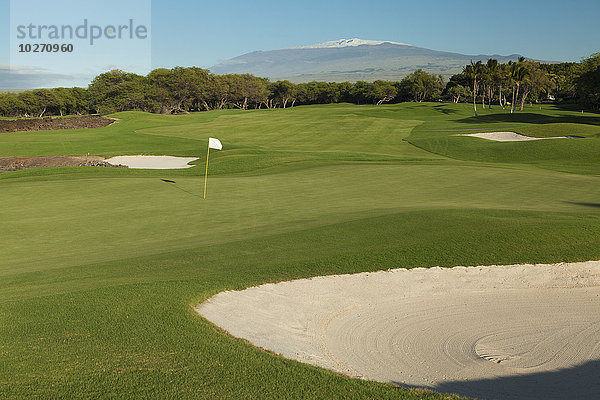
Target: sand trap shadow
x: 533, y: 118
x: 579, y: 382
x: 593, y: 205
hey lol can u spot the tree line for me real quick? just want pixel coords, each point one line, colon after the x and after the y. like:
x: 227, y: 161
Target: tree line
x: 516, y: 83
x: 182, y: 90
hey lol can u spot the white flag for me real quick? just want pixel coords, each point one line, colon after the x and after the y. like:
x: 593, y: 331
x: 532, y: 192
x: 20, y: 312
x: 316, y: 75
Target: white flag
x: 214, y: 144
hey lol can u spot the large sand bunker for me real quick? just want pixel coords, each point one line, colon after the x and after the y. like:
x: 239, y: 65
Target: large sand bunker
x: 520, y: 331
x: 511, y: 136
x: 152, y: 162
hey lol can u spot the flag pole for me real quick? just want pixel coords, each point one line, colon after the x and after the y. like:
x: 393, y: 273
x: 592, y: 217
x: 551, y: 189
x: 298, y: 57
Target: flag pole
x: 206, y: 172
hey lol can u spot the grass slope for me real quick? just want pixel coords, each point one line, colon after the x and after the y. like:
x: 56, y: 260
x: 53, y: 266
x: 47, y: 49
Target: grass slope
x: 568, y: 155
x: 100, y: 268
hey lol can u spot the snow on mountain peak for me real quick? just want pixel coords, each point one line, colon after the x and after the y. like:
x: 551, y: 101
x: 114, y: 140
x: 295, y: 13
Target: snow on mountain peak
x: 348, y: 43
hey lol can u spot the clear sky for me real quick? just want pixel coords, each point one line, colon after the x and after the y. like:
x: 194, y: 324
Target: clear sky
x: 202, y: 33
x: 206, y: 32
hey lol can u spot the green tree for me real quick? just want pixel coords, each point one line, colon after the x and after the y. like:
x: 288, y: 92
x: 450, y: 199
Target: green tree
x: 564, y: 77
x: 283, y: 91
x: 383, y: 92
x: 181, y: 89
x: 456, y: 92
x: 11, y: 105
x: 116, y: 90
x: 535, y: 83
x: 588, y: 83
x: 420, y: 86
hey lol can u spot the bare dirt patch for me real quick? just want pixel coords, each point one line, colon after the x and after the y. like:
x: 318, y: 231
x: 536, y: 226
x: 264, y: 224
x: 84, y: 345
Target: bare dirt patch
x: 18, y: 163
x: 49, y: 123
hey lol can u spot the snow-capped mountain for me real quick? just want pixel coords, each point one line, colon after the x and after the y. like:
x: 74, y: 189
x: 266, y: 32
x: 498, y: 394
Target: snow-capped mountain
x: 347, y: 43
x: 349, y: 60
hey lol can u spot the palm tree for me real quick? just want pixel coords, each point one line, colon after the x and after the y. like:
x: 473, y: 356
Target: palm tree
x: 503, y: 81
x: 492, y: 69
x: 517, y: 73
x: 484, y: 83
x: 473, y: 71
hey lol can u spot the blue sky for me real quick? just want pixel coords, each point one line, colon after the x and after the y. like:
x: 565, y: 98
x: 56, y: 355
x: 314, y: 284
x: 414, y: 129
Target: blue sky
x: 202, y: 33
x: 212, y: 31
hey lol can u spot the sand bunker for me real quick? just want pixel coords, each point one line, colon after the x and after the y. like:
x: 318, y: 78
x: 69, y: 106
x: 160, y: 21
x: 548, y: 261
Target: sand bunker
x: 509, y: 136
x: 152, y: 162
x: 520, y: 331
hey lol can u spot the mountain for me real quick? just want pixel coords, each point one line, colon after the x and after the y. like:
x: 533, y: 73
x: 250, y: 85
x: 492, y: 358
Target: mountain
x: 349, y: 60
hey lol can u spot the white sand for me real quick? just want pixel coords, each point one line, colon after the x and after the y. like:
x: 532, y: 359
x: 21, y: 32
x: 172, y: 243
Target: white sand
x: 152, y: 162
x: 491, y: 332
x: 508, y: 136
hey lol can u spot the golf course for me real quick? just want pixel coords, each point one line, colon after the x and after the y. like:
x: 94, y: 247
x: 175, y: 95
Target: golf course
x: 101, y: 269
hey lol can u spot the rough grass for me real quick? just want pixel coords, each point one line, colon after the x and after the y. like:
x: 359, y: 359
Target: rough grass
x: 101, y: 268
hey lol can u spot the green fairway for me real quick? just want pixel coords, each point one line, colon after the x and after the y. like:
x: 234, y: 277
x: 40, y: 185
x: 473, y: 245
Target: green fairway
x: 101, y: 267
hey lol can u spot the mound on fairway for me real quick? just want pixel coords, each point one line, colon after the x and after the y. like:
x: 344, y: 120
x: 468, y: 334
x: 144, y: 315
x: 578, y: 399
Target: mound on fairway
x: 509, y: 136
x: 458, y: 330
x: 152, y: 162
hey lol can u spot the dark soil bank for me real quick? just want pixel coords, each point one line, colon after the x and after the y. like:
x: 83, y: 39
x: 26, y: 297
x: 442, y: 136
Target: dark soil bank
x: 18, y: 163
x: 49, y: 123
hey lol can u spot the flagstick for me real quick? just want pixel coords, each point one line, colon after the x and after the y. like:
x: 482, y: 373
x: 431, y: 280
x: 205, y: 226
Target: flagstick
x: 206, y: 173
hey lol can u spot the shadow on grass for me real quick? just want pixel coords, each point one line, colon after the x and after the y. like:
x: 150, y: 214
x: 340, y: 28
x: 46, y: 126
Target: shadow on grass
x: 594, y: 205
x: 174, y: 184
x: 579, y: 382
x: 531, y: 118
x: 444, y: 109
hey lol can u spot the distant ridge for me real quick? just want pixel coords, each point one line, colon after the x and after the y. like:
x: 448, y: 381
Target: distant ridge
x: 350, y: 60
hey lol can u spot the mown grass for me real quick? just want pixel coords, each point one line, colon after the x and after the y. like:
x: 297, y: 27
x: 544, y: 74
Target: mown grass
x: 101, y: 268
x: 568, y: 155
